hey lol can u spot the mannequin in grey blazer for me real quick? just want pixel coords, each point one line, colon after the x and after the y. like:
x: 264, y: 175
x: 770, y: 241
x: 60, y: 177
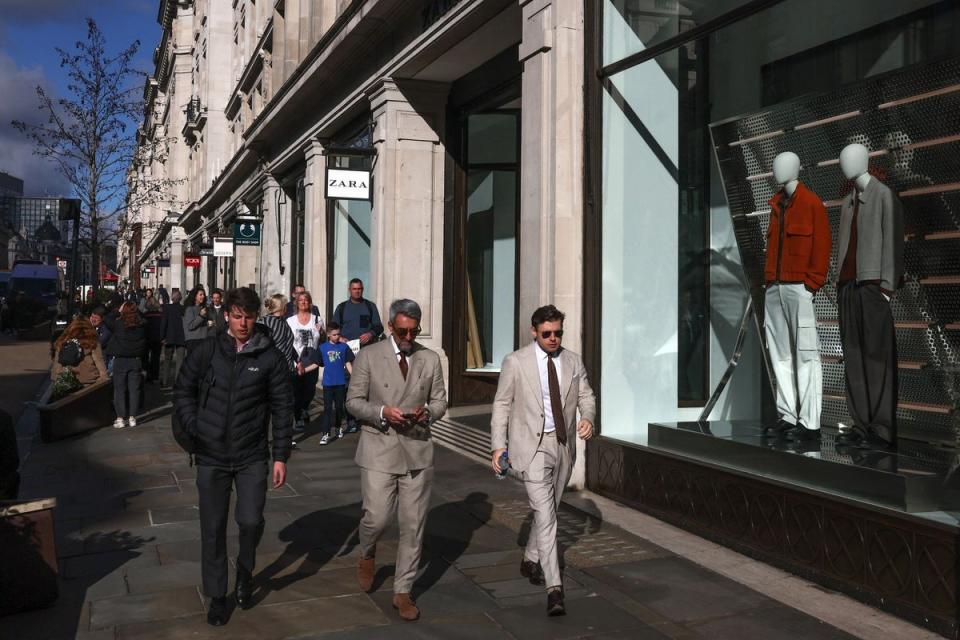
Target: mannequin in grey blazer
x: 395, y: 453
x: 523, y: 423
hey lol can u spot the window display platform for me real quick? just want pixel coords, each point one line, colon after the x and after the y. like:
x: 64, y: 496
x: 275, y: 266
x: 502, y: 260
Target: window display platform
x: 913, y: 478
x: 847, y: 520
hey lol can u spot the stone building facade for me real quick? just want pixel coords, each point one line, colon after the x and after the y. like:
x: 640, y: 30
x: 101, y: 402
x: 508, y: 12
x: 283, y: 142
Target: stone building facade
x: 468, y: 115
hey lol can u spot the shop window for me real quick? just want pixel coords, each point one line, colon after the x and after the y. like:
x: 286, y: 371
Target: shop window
x: 349, y: 232
x: 671, y: 274
x: 490, y: 235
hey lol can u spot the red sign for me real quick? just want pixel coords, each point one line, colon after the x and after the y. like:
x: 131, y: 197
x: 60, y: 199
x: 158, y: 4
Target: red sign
x: 191, y: 261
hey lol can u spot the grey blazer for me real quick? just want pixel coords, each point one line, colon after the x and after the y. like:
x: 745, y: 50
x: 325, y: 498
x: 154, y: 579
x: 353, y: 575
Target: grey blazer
x: 194, y: 325
x: 517, y: 420
x: 376, y: 381
x: 879, y: 235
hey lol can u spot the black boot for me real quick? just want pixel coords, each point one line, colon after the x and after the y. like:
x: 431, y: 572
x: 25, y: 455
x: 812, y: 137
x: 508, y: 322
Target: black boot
x: 244, y: 588
x: 778, y: 430
x: 801, y: 434
x: 555, y: 606
x: 217, y: 613
x: 532, y: 571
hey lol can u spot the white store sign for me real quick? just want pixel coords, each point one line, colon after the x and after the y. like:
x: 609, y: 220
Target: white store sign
x: 348, y: 184
x: 223, y: 247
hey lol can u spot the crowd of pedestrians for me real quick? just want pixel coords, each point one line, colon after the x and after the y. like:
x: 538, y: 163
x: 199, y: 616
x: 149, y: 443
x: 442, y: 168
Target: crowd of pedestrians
x: 245, y: 374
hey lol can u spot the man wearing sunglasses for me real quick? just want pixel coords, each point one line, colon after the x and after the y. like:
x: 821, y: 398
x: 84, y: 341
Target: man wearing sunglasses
x: 541, y: 388
x: 396, y: 391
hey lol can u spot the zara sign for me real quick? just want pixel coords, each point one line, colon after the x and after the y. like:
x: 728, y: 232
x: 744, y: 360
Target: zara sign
x: 348, y: 184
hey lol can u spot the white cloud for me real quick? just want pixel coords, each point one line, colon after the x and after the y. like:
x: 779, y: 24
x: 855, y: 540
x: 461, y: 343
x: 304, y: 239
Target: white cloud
x: 18, y: 88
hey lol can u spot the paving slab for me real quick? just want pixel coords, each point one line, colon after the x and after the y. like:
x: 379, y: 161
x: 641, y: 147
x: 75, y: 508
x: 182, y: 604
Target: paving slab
x: 585, y: 617
x: 163, y: 577
x: 679, y: 589
x: 172, y: 603
x: 760, y: 624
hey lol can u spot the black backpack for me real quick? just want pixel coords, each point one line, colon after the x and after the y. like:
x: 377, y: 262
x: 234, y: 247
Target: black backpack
x: 183, y: 438
x: 71, y: 353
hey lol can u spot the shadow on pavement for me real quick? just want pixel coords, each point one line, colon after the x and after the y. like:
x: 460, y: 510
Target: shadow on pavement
x: 449, y: 530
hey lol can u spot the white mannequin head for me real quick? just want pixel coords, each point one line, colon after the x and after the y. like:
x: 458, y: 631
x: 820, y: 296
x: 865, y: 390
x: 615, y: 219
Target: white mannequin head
x: 854, y: 160
x: 786, y: 170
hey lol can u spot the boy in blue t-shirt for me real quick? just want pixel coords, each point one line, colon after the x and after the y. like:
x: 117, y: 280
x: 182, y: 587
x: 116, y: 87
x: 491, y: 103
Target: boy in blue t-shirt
x: 335, y: 357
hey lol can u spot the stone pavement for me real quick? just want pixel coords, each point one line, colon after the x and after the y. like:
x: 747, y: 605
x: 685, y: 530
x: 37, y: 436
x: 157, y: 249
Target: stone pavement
x: 129, y: 555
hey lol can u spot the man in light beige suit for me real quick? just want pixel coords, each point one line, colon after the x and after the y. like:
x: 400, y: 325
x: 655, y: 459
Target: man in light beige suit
x: 396, y: 392
x: 541, y: 387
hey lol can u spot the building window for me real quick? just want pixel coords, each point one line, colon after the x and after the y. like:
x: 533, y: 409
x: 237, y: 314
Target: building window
x: 674, y: 281
x: 490, y: 236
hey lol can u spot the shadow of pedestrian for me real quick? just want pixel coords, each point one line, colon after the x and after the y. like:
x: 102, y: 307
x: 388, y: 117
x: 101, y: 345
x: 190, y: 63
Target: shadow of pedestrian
x: 312, y: 541
x: 450, y: 528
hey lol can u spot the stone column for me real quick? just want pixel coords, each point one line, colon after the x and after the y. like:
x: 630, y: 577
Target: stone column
x: 315, y: 225
x: 274, y: 242
x: 551, y: 209
x: 176, y: 261
x: 407, y: 220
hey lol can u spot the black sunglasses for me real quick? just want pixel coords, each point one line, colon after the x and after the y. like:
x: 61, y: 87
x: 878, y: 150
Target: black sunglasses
x: 403, y: 333
x: 547, y: 334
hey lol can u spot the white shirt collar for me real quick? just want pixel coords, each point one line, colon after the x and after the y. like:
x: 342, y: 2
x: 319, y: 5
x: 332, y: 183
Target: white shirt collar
x: 543, y: 355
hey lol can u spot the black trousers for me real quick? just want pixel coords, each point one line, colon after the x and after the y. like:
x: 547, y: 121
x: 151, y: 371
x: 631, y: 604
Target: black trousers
x: 869, y: 341
x: 304, y: 389
x: 333, y: 411
x: 214, y: 485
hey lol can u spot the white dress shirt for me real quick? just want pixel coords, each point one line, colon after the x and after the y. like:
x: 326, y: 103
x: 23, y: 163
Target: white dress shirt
x: 548, y: 423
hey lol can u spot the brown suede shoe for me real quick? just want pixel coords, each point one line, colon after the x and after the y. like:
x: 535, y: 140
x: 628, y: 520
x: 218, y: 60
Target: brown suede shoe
x: 365, y: 570
x: 405, y: 605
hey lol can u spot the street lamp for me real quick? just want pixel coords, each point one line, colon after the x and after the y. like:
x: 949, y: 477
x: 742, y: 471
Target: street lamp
x: 69, y: 209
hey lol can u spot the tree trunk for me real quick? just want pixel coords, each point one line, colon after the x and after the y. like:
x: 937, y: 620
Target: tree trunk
x: 95, y: 253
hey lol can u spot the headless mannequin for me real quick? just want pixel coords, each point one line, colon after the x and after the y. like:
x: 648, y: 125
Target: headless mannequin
x: 786, y: 171
x: 854, y: 160
x: 867, y: 333
x: 788, y: 303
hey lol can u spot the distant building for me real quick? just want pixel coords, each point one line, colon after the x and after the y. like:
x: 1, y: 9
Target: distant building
x: 10, y: 185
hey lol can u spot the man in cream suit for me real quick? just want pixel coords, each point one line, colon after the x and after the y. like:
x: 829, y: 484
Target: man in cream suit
x: 396, y: 392
x: 541, y: 387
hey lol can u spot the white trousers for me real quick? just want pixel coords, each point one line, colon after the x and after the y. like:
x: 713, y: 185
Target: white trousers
x: 791, y: 329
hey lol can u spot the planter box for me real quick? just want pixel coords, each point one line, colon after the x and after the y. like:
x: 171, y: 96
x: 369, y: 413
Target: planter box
x: 28, y: 555
x: 79, y: 412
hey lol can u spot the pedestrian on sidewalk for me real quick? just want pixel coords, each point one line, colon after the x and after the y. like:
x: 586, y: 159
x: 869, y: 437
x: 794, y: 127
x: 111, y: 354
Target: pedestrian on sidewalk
x: 276, y: 323
x: 127, y: 344
x: 335, y: 357
x: 396, y: 392
x: 196, y: 322
x: 153, y: 326
x: 230, y: 388
x: 359, y: 321
x: 308, y: 331
x: 174, y: 342
x: 537, y: 430
x: 88, y: 364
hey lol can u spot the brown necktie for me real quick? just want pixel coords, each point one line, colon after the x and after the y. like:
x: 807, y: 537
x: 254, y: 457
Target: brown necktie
x: 403, y: 365
x: 555, y: 405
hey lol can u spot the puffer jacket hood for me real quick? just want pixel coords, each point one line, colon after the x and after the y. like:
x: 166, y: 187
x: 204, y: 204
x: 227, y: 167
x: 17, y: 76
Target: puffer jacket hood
x: 225, y: 400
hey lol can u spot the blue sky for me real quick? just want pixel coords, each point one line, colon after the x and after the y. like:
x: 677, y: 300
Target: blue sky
x: 29, y: 31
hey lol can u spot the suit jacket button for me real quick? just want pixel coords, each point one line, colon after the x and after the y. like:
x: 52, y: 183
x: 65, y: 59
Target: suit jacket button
x: 538, y: 434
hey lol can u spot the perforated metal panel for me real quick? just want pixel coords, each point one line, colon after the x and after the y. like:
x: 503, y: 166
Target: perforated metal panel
x: 910, y: 121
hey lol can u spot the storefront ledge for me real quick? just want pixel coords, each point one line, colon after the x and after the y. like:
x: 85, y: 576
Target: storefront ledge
x: 896, y: 561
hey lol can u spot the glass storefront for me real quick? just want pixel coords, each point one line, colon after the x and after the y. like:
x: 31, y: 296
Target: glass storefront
x: 668, y: 244
x: 348, y: 232
x: 492, y: 176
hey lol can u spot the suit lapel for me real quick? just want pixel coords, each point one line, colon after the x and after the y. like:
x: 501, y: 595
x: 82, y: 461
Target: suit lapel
x: 566, y: 375
x: 394, y: 381
x: 414, y: 370
x: 531, y: 371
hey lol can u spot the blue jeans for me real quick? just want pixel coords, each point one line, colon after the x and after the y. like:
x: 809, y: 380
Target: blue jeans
x: 333, y: 410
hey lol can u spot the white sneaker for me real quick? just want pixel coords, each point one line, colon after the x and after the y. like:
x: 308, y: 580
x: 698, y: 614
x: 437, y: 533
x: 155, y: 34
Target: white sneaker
x: 131, y: 421
x: 119, y: 423
x: 324, y: 440
x: 340, y: 432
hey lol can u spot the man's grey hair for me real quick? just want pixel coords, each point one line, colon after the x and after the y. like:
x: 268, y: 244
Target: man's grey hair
x: 405, y: 307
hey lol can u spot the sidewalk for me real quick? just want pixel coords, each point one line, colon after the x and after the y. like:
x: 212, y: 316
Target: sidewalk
x: 128, y: 541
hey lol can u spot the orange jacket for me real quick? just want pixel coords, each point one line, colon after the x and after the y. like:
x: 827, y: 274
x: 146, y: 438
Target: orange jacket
x: 805, y: 240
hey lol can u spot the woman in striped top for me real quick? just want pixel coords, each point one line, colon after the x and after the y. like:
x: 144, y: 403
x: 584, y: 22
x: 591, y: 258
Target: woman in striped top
x: 275, y: 321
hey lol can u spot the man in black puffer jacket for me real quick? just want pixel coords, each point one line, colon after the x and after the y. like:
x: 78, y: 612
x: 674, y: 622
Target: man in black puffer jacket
x: 230, y: 387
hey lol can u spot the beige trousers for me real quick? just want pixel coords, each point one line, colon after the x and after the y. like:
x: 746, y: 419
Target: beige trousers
x: 408, y: 495
x: 545, y: 479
